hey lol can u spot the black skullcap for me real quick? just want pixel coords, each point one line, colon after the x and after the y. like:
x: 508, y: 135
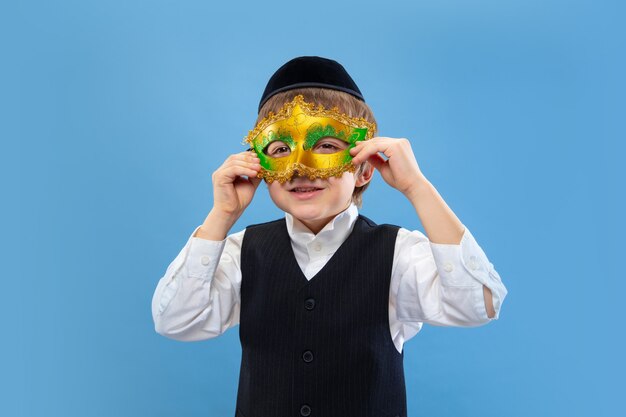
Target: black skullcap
x: 310, y: 71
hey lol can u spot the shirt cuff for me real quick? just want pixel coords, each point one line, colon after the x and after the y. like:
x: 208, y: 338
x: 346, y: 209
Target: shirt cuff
x: 466, y: 265
x: 457, y: 263
x: 203, y: 256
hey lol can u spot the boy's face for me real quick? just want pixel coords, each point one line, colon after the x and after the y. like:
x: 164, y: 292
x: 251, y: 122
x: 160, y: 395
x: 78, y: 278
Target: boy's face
x: 305, y: 159
x: 316, y: 202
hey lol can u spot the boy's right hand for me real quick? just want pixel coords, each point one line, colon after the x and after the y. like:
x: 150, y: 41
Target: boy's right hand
x: 231, y: 192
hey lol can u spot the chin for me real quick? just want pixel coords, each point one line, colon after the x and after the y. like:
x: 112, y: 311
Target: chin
x: 304, y: 212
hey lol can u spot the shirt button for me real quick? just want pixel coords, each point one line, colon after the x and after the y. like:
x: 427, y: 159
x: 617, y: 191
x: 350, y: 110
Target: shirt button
x: 305, y: 410
x: 473, y: 263
x: 307, y: 356
x: 205, y: 260
x: 309, y: 304
x: 317, y: 246
x: 448, y: 267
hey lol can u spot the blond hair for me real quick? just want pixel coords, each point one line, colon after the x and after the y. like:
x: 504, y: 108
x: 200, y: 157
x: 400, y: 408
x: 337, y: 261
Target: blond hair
x: 328, y: 98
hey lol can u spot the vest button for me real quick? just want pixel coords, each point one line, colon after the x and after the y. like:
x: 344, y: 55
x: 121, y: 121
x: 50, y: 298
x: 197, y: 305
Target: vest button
x: 309, y: 304
x: 307, y: 356
x: 305, y: 410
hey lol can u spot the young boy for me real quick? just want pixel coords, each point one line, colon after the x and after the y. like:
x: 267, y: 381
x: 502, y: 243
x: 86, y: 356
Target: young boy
x: 325, y: 298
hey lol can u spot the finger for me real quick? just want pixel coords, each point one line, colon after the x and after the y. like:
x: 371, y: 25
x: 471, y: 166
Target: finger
x: 366, y: 150
x: 243, y: 156
x: 377, y: 161
x: 377, y: 139
x: 230, y: 174
x: 251, y: 180
x: 372, y: 142
x: 245, y: 163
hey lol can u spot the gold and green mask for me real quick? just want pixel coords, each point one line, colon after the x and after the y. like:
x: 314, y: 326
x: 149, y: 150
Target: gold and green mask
x: 299, y: 126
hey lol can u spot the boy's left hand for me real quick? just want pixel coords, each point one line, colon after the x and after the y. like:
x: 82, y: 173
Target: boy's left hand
x: 400, y: 170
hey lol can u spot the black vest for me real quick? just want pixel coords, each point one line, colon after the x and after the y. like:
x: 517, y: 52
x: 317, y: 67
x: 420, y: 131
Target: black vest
x: 319, y: 348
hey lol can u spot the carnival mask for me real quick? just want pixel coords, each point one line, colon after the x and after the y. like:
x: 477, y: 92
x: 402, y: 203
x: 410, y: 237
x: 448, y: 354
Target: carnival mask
x: 299, y: 126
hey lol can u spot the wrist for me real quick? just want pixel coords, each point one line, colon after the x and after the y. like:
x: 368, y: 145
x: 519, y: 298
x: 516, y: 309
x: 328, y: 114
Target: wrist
x: 216, y: 225
x: 420, y: 188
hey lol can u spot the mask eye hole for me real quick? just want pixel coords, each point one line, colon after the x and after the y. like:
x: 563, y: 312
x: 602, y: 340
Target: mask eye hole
x: 277, y: 149
x: 329, y: 145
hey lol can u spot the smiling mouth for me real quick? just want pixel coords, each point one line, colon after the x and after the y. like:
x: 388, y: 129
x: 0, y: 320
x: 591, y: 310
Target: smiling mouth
x: 304, y: 189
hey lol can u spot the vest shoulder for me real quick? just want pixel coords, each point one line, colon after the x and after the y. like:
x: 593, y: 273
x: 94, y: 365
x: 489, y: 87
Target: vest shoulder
x: 270, y: 223
x: 370, y: 223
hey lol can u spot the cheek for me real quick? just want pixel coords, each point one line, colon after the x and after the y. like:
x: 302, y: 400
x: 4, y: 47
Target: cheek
x: 346, y: 183
x: 273, y: 188
x: 276, y: 192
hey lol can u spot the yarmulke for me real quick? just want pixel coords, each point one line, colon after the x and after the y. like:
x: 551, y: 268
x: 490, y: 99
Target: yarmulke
x: 310, y: 71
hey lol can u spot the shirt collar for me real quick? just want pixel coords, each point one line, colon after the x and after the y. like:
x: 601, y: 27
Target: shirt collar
x: 333, y: 234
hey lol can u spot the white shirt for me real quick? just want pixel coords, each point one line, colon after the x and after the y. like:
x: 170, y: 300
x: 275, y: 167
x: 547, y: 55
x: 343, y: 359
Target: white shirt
x: 440, y: 284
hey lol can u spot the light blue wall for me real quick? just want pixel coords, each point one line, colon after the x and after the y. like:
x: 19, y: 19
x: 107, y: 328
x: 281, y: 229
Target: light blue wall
x: 115, y: 113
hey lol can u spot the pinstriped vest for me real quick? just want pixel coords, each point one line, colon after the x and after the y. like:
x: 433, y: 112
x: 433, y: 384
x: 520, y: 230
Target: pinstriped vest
x: 319, y: 348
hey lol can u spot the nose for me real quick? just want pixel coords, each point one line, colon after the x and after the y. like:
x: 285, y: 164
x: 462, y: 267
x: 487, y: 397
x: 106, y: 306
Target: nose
x: 297, y: 173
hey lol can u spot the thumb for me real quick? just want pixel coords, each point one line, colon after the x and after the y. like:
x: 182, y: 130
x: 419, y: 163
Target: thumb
x: 377, y: 161
x: 255, y: 181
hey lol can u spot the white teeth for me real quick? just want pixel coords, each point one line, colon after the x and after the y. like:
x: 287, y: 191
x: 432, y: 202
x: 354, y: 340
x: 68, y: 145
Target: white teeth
x: 304, y: 189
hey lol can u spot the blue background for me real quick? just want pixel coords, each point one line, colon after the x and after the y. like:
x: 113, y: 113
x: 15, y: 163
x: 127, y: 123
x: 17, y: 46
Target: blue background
x: 115, y: 114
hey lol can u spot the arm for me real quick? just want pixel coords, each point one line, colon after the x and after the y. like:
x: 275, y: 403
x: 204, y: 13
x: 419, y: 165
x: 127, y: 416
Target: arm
x: 198, y: 298
x: 441, y: 224
x: 402, y: 172
x: 435, y: 283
